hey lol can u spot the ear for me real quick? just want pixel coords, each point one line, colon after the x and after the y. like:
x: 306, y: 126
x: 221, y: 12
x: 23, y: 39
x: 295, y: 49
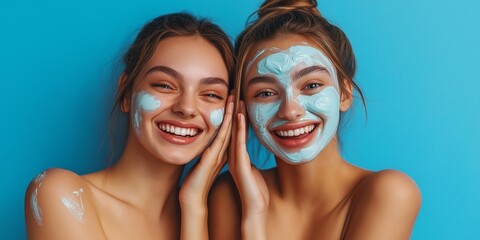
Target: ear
x: 125, y: 102
x: 346, y: 96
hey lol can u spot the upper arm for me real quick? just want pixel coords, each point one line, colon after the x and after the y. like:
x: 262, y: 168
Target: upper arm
x: 385, y: 206
x: 58, y: 206
x: 224, y: 208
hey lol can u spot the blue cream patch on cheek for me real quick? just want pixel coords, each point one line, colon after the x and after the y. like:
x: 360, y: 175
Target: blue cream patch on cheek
x: 261, y: 114
x: 143, y: 102
x: 216, y: 117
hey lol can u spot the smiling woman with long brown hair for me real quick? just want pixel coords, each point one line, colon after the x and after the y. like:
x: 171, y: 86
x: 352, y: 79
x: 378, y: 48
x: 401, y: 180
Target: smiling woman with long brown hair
x: 175, y: 91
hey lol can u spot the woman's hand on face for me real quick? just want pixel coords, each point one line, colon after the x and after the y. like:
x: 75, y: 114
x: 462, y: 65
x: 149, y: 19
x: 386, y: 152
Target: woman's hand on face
x: 250, y: 183
x: 195, y: 188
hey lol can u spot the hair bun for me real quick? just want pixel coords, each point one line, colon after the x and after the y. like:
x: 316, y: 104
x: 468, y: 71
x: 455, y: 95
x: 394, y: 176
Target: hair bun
x: 271, y: 6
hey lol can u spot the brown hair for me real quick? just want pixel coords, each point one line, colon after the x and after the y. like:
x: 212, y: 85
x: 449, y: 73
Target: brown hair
x: 281, y: 17
x: 165, y: 26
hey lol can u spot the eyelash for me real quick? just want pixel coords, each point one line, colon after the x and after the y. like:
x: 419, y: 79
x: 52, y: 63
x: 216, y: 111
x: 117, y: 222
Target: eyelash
x: 163, y: 85
x: 264, y: 94
x: 212, y: 95
x: 310, y: 87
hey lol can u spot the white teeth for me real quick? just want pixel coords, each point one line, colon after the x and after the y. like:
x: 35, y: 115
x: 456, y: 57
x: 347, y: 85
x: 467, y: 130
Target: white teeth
x: 302, y: 131
x: 295, y: 132
x: 178, y: 130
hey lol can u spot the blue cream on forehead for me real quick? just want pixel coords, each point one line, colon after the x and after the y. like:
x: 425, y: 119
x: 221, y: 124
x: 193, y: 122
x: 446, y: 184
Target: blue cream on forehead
x: 320, y: 107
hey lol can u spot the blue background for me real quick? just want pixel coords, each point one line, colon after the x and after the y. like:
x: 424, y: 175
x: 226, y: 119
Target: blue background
x: 417, y: 64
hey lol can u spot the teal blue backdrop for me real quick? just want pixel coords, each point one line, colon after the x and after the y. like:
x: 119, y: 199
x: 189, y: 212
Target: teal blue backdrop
x: 417, y: 64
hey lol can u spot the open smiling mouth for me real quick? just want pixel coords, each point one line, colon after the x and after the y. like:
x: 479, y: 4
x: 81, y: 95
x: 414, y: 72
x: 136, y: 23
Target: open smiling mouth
x: 295, y: 133
x: 179, y: 131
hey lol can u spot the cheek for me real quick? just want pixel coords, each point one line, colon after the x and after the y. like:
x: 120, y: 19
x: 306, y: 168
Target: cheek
x: 261, y: 114
x: 326, y: 102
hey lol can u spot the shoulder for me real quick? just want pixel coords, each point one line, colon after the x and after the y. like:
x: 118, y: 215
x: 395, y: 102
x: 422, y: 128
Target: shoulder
x: 58, y: 199
x: 387, y: 186
x: 224, y: 208
x: 53, y: 182
x: 384, y: 206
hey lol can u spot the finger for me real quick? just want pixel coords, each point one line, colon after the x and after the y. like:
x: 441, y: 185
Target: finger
x: 246, y: 181
x: 242, y: 158
x: 228, y: 125
x: 222, y: 138
x: 211, y: 161
x: 243, y: 110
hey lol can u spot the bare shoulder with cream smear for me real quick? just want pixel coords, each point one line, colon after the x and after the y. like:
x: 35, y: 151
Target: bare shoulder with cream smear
x: 58, y: 203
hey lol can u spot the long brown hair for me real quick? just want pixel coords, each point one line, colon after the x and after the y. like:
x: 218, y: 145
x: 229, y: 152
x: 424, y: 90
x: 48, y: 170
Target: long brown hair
x: 282, y: 17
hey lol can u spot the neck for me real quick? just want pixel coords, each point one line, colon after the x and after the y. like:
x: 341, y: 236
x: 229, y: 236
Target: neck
x: 316, y: 181
x: 142, y: 180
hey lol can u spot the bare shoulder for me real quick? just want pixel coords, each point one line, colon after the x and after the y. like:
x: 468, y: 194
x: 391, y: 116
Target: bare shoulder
x: 384, y: 206
x: 58, y: 206
x: 224, y: 208
x: 387, y: 186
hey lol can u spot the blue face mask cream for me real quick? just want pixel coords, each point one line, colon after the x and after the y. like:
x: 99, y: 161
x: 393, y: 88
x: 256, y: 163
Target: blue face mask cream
x: 143, y: 102
x: 323, y: 106
x: 216, y: 117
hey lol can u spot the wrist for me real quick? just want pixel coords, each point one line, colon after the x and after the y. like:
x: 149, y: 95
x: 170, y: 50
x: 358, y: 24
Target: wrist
x: 254, y: 228
x: 195, y: 209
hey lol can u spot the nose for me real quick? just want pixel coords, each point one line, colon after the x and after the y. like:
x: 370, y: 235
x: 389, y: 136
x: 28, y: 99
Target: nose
x: 185, y: 106
x: 290, y: 109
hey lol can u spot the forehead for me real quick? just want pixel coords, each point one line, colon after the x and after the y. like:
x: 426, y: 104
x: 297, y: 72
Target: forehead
x: 269, y: 47
x: 282, y: 54
x: 191, y: 56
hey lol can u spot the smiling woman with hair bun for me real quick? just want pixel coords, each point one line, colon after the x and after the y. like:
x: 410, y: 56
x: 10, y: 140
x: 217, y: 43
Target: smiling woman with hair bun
x: 295, y: 76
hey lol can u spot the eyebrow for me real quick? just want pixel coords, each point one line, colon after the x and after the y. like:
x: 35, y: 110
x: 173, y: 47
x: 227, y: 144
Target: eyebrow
x: 308, y: 70
x: 166, y: 70
x: 213, y: 80
x: 261, y: 79
x: 177, y: 75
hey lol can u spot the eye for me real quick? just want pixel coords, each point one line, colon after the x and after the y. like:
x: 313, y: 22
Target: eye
x: 213, y: 95
x: 265, y: 94
x: 312, y: 86
x: 163, y: 85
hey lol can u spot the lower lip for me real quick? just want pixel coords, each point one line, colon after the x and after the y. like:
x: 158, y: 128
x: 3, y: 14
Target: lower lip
x: 179, y: 140
x: 298, y: 141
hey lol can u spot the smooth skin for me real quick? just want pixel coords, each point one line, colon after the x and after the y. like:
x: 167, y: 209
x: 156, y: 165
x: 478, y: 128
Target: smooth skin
x: 326, y: 198
x: 139, y: 196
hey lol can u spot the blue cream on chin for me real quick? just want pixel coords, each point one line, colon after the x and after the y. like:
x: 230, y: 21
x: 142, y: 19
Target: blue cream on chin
x: 322, y: 107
